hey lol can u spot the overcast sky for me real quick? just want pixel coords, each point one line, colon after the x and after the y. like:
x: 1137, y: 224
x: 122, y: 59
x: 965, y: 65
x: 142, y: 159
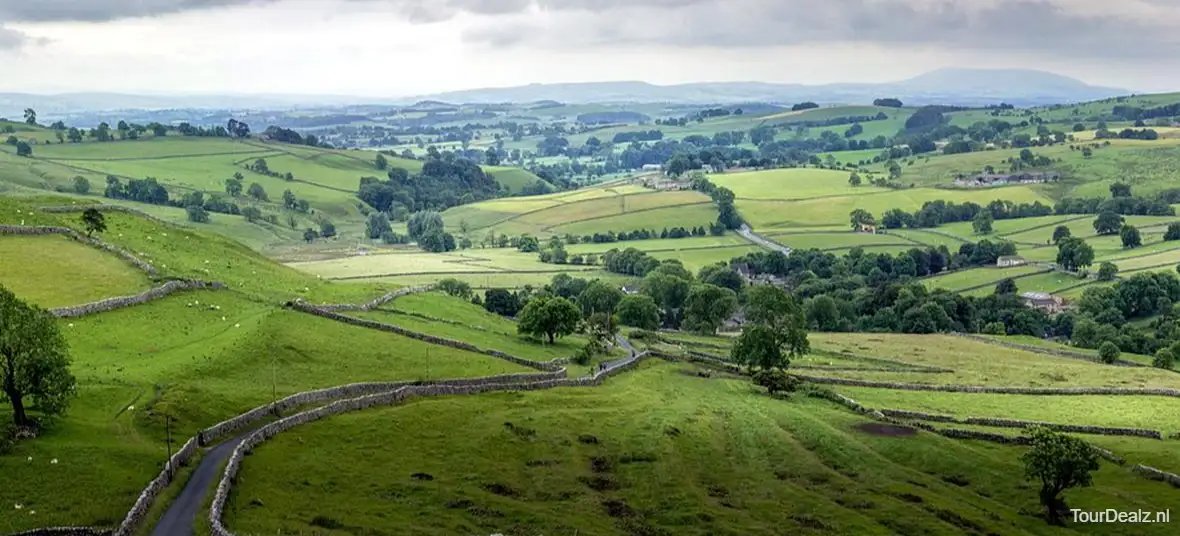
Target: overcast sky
x: 407, y: 47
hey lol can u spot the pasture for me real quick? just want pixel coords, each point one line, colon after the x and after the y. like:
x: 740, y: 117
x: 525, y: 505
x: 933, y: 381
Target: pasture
x: 765, y: 214
x: 54, y: 271
x: 638, y: 456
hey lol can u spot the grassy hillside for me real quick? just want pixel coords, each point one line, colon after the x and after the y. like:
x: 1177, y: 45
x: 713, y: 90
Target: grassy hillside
x: 327, y: 179
x: 193, y: 358
x: 726, y: 460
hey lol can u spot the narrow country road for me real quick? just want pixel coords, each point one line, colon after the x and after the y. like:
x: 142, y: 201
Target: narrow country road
x: 756, y: 238
x: 178, y: 520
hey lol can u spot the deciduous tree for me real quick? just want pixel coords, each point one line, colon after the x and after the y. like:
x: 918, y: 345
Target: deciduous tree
x: 1059, y: 462
x: 548, y: 316
x: 34, y: 360
x: 93, y: 221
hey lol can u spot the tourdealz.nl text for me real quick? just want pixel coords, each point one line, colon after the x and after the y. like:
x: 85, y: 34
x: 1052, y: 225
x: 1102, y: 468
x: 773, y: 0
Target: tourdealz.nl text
x: 1110, y: 515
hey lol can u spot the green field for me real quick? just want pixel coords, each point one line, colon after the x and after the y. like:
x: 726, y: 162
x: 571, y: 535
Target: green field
x: 598, y: 209
x: 767, y: 214
x: 985, y: 277
x: 724, y: 460
x: 791, y: 184
x: 53, y: 271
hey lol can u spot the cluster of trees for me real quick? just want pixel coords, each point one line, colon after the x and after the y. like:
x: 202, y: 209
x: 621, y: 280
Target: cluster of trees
x: 727, y: 214
x: 878, y: 292
x: 639, y: 135
x: 22, y: 147
x: 1128, y: 134
x: 286, y: 135
x: 1135, y: 113
x: 935, y: 213
x: 445, y: 181
x: 1122, y: 201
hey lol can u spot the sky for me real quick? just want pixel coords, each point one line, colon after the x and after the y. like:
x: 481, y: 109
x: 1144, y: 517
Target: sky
x: 397, y: 48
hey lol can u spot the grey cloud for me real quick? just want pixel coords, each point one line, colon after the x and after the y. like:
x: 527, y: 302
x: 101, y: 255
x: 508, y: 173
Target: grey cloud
x: 1039, y: 26
x: 11, y: 38
x: 100, y: 10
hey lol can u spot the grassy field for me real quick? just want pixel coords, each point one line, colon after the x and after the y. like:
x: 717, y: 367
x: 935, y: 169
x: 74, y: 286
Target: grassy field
x: 791, y: 184
x: 725, y: 460
x: 976, y: 277
x: 327, y: 179
x: 477, y: 265
x: 1001, y: 366
x: 609, y: 207
x: 767, y: 214
x: 52, y: 271
x: 196, y: 358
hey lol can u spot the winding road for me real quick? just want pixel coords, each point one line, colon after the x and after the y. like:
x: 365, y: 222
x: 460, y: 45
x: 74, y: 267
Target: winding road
x: 181, y: 515
x: 767, y: 243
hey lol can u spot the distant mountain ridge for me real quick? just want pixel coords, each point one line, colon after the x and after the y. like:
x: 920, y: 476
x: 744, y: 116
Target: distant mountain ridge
x: 970, y: 87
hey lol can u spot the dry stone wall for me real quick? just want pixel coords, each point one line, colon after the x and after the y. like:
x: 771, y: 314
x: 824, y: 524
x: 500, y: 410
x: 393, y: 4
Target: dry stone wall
x: 127, y: 301
x: 460, y: 345
x: 1044, y: 351
x: 1155, y: 474
x: 396, y: 396
x: 65, y: 531
x: 213, y: 433
x: 139, y: 510
x: 994, y: 389
x: 376, y: 302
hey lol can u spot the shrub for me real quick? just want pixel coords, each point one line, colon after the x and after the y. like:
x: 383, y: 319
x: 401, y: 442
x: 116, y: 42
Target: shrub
x: 995, y: 328
x: 454, y: 287
x: 1108, y: 352
x: 1163, y: 359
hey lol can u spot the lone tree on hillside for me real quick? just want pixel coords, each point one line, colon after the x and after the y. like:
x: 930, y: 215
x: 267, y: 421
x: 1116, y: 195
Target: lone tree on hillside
x: 860, y: 217
x: 1060, y: 462
x: 257, y: 192
x: 1130, y: 237
x: 233, y: 186
x: 550, y: 317
x: 1074, y: 254
x: 1061, y: 232
x: 24, y: 149
x: 776, y: 332
x: 94, y: 221
x: 380, y: 162
x: 854, y: 179
x: 1119, y: 189
x: 1107, y: 271
x: 1108, y: 223
x: 34, y: 359
x: 982, y: 224
x: 30, y: 116
x: 1006, y: 286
